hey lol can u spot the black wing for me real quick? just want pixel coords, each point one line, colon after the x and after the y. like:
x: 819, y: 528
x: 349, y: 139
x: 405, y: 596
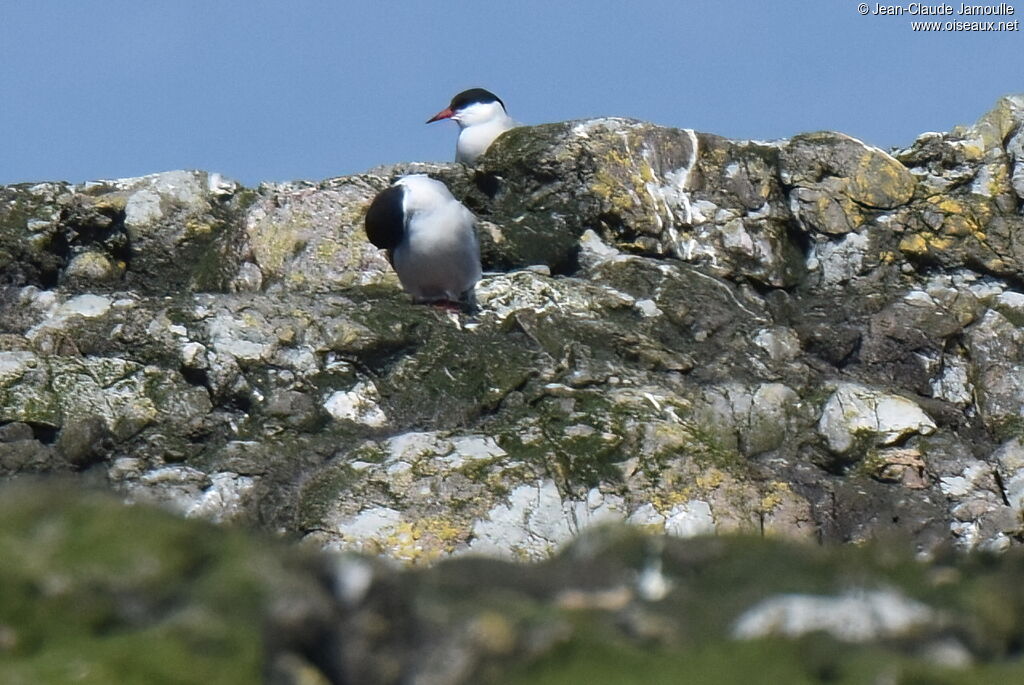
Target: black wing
x: 385, y: 219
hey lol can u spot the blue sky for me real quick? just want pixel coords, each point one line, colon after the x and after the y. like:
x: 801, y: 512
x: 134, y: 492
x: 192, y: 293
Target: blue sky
x: 309, y: 89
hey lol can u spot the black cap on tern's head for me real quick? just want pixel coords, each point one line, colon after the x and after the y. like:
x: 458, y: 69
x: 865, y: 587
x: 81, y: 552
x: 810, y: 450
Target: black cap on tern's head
x: 463, y: 100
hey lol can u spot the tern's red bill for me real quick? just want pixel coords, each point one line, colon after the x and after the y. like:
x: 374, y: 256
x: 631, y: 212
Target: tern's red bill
x: 447, y: 113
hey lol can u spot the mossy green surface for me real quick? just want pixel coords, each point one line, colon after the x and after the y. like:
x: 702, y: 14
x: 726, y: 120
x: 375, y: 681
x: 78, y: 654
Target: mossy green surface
x: 807, y: 661
x: 718, y: 579
x: 94, y: 592
x: 321, y: 492
x: 447, y: 381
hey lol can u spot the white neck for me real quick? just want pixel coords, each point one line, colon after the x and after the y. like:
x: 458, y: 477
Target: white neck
x: 480, y: 113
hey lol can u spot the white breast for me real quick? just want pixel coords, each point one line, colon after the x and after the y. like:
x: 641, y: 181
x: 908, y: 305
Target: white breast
x: 474, y: 140
x: 480, y: 124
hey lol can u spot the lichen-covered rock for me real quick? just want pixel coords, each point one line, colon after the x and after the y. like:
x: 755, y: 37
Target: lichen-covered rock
x: 630, y: 178
x: 836, y: 182
x: 967, y: 213
x: 32, y: 243
x: 646, y: 189
x: 807, y: 337
x: 856, y: 416
x: 312, y: 237
x: 996, y: 369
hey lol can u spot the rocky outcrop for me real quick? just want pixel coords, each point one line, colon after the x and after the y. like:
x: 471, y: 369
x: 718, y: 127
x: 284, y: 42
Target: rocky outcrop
x: 810, y: 338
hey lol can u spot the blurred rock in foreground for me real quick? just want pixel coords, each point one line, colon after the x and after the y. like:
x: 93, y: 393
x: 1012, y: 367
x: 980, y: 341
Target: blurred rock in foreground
x: 94, y: 591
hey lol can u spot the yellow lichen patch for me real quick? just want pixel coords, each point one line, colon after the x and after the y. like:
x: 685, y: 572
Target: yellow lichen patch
x: 785, y: 513
x: 608, y: 189
x: 823, y: 203
x: 997, y: 123
x: 958, y: 225
x: 972, y: 152
x: 296, y: 279
x: 194, y: 227
x: 982, y: 212
x: 113, y: 202
x: 995, y: 264
x: 714, y: 157
x: 777, y: 493
x: 834, y: 212
x: 672, y: 437
x: 327, y: 250
x: 621, y: 194
x: 94, y: 266
x: 998, y: 181
x: 345, y: 333
x: 273, y: 243
x: 887, y: 256
x: 961, y: 219
x: 947, y: 205
x: 710, y: 479
x: 881, y: 181
x: 664, y: 502
x: 672, y: 495
x: 621, y: 182
x: 646, y: 172
x: 423, y: 540
x: 914, y: 244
